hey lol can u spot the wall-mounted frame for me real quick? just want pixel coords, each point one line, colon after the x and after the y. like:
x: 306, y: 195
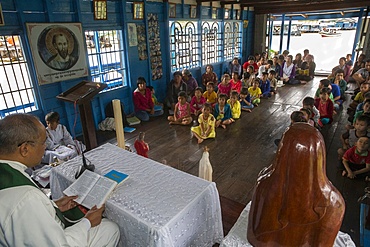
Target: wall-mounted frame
x: 214, y: 13
x: 100, y: 9
x: 53, y: 63
x: 172, y: 10
x: 138, y: 10
x: 227, y: 14
x: 132, y: 34
x: 193, y: 11
x: 237, y: 15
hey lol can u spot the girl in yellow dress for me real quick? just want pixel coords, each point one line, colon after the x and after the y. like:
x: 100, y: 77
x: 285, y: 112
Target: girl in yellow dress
x: 206, y: 128
x: 235, y: 105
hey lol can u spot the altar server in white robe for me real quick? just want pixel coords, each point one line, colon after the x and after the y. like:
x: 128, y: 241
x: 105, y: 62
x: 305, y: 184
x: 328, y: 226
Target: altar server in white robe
x: 59, y: 142
x: 27, y: 216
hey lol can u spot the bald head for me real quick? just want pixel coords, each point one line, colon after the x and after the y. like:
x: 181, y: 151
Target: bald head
x: 16, y: 129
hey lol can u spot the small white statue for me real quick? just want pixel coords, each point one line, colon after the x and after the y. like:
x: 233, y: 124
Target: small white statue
x: 205, y: 167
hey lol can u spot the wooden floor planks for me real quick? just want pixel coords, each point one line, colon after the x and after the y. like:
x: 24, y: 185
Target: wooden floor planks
x: 242, y: 150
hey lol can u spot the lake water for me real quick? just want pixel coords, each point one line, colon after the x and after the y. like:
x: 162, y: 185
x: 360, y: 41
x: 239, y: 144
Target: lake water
x: 326, y: 51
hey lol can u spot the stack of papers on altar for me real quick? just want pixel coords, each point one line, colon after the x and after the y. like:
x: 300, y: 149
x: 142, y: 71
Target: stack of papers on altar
x: 93, y: 189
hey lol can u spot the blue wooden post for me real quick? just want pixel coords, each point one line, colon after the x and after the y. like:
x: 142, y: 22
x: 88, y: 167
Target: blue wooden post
x: 289, y: 31
x: 281, y: 34
x: 270, y: 33
x: 358, y: 33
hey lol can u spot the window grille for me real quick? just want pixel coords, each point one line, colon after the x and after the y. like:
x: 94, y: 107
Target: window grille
x: 211, y: 43
x: 233, y: 39
x: 184, y: 45
x: 106, y: 57
x: 16, y: 89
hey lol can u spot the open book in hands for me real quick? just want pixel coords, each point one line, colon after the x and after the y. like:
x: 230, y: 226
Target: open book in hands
x: 93, y: 189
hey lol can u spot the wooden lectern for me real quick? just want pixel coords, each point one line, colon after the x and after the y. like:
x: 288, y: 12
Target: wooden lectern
x: 82, y: 94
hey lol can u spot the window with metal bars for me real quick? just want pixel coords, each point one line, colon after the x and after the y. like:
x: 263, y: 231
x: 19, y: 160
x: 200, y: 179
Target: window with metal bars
x: 16, y: 89
x: 184, y: 45
x: 232, y: 39
x: 211, y: 43
x: 106, y: 57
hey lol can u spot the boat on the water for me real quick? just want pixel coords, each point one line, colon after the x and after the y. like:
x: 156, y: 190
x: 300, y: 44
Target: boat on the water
x: 329, y: 32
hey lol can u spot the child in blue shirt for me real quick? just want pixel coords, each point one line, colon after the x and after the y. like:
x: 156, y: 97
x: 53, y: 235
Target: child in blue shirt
x: 223, y: 112
x: 245, y: 100
x: 265, y: 85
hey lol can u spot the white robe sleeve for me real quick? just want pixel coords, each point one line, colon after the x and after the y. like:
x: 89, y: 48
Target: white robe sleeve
x: 67, y: 138
x: 33, y: 222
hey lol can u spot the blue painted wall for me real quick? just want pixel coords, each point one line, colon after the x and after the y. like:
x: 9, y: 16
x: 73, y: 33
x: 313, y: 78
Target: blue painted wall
x: 18, y: 12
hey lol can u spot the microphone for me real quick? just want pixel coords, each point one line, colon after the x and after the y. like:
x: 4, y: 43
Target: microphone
x: 84, y: 167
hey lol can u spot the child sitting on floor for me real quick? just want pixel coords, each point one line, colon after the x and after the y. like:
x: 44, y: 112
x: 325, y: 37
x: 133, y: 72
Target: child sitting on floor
x: 59, y: 142
x: 248, y: 77
x: 309, y: 103
x: 273, y: 82
x: 154, y: 98
x: 210, y: 95
x: 182, y: 111
x: 356, y: 160
x: 223, y: 112
x: 364, y: 88
x: 197, y: 102
x: 245, y: 100
x: 224, y: 86
x: 236, y: 83
x: 295, y: 117
x: 307, y: 116
x: 265, y: 85
x: 350, y: 137
x: 255, y: 92
x: 141, y: 146
x: 366, y: 110
x: 325, y: 107
x: 234, y: 105
x: 206, y: 128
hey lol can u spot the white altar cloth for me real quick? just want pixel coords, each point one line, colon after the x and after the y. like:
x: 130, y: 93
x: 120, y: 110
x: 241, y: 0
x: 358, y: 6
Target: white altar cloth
x: 157, y: 205
x: 237, y: 237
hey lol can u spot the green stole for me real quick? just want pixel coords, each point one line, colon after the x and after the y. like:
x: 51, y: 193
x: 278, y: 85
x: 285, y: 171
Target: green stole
x: 10, y: 177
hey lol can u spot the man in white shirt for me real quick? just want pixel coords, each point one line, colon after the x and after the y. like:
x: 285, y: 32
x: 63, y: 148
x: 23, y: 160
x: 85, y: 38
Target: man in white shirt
x: 362, y: 75
x: 264, y: 68
x: 27, y: 215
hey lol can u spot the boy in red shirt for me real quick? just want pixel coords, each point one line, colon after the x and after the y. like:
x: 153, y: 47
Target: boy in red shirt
x: 325, y: 107
x: 356, y: 160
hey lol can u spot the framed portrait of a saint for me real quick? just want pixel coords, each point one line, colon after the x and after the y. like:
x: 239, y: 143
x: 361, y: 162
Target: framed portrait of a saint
x: 58, y: 51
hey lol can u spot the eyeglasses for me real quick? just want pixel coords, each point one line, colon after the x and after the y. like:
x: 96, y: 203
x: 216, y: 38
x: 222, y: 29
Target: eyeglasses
x: 32, y: 142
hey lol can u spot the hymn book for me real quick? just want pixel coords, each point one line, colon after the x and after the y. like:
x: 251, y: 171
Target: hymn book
x: 93, y: 189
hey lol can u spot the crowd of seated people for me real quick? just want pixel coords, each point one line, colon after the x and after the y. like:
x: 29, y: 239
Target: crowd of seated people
x: 214, y: 103
x: 354, y: 154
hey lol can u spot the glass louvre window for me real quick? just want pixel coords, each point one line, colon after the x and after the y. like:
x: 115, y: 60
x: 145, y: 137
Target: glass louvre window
x: 16, y: 90
x: 211, y: 43
x: 233, y: 39
x: 184, y: 45
x: 106, y: 57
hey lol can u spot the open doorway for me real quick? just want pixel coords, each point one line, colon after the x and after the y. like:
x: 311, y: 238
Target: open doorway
x: 326, y: 49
